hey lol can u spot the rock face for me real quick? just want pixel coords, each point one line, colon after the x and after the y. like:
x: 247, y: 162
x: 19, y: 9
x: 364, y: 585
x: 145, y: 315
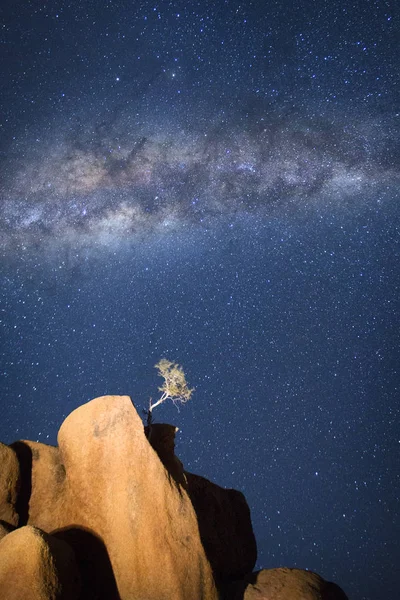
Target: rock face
x: 106, y: 493
x: 117, y: 488
x: 223, y: 515
x: 111, y: 514
x: 9, y: 484
x: 5, y: 529
x: 36, y: 566
x: 162, y: 439
x: 283, y: 584
x: 41, y: 492
x: 225, y: 528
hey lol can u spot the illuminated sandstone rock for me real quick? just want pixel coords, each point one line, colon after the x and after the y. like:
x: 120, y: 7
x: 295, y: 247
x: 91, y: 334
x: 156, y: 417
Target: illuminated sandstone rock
x: 283, y: 584
x: 105, y: 491
x: 123, y: 516
x: 36, y: 566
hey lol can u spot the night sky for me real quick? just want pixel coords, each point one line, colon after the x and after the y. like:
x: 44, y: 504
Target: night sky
x: 216, y: 183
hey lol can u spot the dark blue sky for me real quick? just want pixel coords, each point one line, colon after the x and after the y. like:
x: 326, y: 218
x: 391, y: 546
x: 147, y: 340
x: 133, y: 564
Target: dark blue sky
x: 217, y: 184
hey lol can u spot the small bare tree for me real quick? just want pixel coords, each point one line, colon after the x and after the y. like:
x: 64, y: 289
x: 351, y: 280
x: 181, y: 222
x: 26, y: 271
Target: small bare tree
x: 174, y: 387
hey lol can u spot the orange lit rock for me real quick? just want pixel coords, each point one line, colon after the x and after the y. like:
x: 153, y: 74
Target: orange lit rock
x: 5, y: 529
x: 36, y: 566
x: 120, y: 511
x: 117, y: 490
x: 41, y: 497
x: 284, y: 584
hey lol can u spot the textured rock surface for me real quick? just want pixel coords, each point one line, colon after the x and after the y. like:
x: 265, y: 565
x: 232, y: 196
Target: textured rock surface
x: 283, y: 584
x: 35, y: 566
x: 111, y: 498
x: 41, y: 498
x: 9, y: 484
x: 5, y: 529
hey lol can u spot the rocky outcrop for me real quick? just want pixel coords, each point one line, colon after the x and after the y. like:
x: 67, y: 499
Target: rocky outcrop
x: 36, y: 566
x: 117, y: 488
x: 111, y: 514
x: 283, y: 584
x: 106, y: 493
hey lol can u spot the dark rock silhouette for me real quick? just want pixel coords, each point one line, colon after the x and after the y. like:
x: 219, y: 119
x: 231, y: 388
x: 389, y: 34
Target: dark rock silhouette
x: 111, y: 514
x: 225, y: 528
x: 9, y: 485
x: 95, y: 569
x: 162, y: 439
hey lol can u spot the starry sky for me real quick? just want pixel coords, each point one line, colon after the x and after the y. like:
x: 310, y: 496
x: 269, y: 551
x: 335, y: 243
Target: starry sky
x: 216, y: 183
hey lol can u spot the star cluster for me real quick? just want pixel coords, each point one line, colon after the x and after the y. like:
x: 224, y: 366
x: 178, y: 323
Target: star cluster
x: 112, y: 180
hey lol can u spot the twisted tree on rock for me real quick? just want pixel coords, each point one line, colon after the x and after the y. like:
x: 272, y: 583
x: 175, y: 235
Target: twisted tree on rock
x: 174, y: 387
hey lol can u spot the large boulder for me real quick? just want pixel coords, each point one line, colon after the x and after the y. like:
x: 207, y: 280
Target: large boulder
x: 283, y: 584
x: 35, y: 566
x: 124, y: 514
x: 115, y: 498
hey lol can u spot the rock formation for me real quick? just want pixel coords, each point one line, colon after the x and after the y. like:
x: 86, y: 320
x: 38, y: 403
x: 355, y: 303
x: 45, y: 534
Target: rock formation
x: 37, y: 566
x: 283, y: 584
x: 110, y: 514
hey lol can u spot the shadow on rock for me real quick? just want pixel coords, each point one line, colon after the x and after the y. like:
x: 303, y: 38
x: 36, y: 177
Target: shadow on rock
x: 97, y: 577
x: 24, y: 456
